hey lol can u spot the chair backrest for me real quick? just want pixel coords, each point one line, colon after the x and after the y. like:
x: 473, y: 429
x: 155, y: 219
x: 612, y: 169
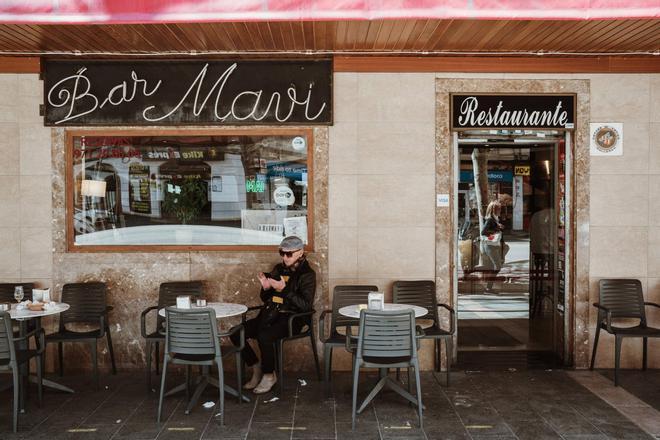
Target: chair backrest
x: 346, y: 296
x: 417, y: 293
x: 87, y: 302
x: 191, y: 331
x: 7, y: 291
x: 624, y: 297
x: 6, y: 335
x: 387, y: 334
x: 168, y: 292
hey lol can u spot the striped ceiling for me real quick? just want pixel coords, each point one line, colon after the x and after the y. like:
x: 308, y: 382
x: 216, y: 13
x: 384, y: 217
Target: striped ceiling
x: 433, y: 36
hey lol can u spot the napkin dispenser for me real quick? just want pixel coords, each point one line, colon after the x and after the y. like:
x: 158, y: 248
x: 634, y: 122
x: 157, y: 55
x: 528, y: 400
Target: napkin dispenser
x: 376, y: 301
x: 41, y: 295
x: 5, y: 307
x: 183, y: 302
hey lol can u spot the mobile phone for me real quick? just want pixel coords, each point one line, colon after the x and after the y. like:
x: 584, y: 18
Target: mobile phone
x: 272, y: 277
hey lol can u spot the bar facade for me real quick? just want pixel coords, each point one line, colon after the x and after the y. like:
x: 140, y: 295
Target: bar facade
x: 380, y: 174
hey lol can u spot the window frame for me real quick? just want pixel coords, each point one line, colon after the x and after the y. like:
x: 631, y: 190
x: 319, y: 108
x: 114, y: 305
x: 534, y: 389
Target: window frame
x: 69, y: 187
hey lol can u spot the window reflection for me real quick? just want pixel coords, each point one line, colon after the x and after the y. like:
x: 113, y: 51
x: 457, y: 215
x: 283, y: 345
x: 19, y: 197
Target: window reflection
x: 189, y: 190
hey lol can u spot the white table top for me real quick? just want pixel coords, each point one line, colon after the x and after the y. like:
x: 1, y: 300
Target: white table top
x: 29, y: 314
x: 353, y: 311
x: 222, y: 310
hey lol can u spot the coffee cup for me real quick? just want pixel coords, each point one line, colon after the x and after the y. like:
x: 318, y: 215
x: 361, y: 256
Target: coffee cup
x: 201, y: 302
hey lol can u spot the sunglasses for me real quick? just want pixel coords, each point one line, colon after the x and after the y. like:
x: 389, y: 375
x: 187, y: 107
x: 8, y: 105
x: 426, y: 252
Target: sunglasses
x: 287, y: 253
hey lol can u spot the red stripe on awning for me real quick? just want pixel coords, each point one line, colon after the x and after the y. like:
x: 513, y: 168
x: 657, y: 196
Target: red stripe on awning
x: 177, y: 11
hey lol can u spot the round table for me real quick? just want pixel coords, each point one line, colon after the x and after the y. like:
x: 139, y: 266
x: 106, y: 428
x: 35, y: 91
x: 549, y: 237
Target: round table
x: 22, y: 316
x: 222, y: 310
x: 353, y: 311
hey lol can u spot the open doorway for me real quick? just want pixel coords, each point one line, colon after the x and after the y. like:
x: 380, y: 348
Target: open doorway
x: 511, y: 277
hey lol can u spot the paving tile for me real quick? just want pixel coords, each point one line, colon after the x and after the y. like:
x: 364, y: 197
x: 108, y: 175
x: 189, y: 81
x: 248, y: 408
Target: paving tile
x: 138, y: 431
x: 182, y: 431
x: 269, y: 431
x: 623, y: 431
x: 234, y: 427
x: 536, y: 430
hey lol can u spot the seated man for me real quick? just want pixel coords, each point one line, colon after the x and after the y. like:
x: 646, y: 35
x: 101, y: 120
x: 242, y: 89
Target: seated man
x: 288, y: 288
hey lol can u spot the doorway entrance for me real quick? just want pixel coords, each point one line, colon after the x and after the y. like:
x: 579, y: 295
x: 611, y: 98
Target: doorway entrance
x: 512, y: 227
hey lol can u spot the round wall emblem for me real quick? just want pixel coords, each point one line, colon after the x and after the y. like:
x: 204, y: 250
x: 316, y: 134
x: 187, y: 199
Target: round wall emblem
x: 283, y: 196
x: 606, y: 138
x: 298, y: 143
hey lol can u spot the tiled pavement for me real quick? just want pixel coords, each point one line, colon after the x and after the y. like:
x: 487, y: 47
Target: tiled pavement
x: 533, y: 404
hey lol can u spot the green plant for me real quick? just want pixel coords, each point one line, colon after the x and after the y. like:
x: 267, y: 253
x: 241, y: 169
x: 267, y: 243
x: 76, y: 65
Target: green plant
x: 187, y: 203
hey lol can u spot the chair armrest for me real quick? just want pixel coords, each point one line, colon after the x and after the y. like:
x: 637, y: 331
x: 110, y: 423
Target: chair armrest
x: 298, y: 315
x: 237, y: 328
x: 609, y: 316
x: 250, y: 309
x: 322, y: 325
x: 646, y: 303
x: 39, y: 337
x: 452, y: 317
x: 143, y: 320
x: 349, y: 336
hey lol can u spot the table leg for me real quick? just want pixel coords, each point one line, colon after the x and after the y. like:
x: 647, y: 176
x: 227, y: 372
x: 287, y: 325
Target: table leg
x: 46, y: 382
x: 24, y: 369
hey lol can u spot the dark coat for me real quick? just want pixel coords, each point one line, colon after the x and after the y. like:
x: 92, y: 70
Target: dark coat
x: 300, y: 288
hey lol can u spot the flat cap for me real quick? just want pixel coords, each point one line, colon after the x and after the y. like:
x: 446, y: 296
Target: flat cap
x: 291, y: 243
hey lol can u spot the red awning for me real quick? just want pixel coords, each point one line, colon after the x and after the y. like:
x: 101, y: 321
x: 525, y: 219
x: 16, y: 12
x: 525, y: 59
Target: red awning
x: 178, y: 11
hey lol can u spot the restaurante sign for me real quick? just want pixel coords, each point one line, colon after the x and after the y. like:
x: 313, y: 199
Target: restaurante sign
x: 512, y: 111
x: 187, y: 92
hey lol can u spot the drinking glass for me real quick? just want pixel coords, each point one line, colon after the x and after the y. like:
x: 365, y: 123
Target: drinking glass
x: 18, y: 293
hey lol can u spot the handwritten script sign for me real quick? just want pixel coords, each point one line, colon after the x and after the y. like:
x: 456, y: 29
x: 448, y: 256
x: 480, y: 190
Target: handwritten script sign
x: 512, y: 111
x: 187, y: 92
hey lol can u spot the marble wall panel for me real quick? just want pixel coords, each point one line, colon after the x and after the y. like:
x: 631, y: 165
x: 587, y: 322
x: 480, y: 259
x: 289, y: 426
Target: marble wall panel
x: 343, y: 200
x: 10, y: 201
x: 10, y: 253
x: 619, y: 251
x: 619, y: 200
x: 344, y: 151
x: 9, y: 145
x: 395, y: 200
x: 629, y: 101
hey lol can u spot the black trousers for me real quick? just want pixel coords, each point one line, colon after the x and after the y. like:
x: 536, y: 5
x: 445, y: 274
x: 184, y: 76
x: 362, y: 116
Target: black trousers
x: 266, y: 336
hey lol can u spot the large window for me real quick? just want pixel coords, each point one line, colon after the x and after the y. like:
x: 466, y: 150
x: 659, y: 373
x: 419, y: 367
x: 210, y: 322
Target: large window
x: 240, y: 189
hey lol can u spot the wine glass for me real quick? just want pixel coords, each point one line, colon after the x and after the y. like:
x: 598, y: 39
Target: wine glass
x: 18, y: 293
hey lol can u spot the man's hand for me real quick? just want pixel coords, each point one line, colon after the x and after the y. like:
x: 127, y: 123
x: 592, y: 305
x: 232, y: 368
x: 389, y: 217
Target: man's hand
x: 277, y: 285
x: 265, y: 282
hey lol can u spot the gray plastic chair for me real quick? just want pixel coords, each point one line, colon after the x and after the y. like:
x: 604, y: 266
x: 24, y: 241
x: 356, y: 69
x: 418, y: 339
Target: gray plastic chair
x: 423, y: 294
x: 12, y: 358
x: 167, y: 294
x: 622, y: 298
x: 386, y: 340
x: 341, y: 296
x: 88, y: 305
x: 191, y: 338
